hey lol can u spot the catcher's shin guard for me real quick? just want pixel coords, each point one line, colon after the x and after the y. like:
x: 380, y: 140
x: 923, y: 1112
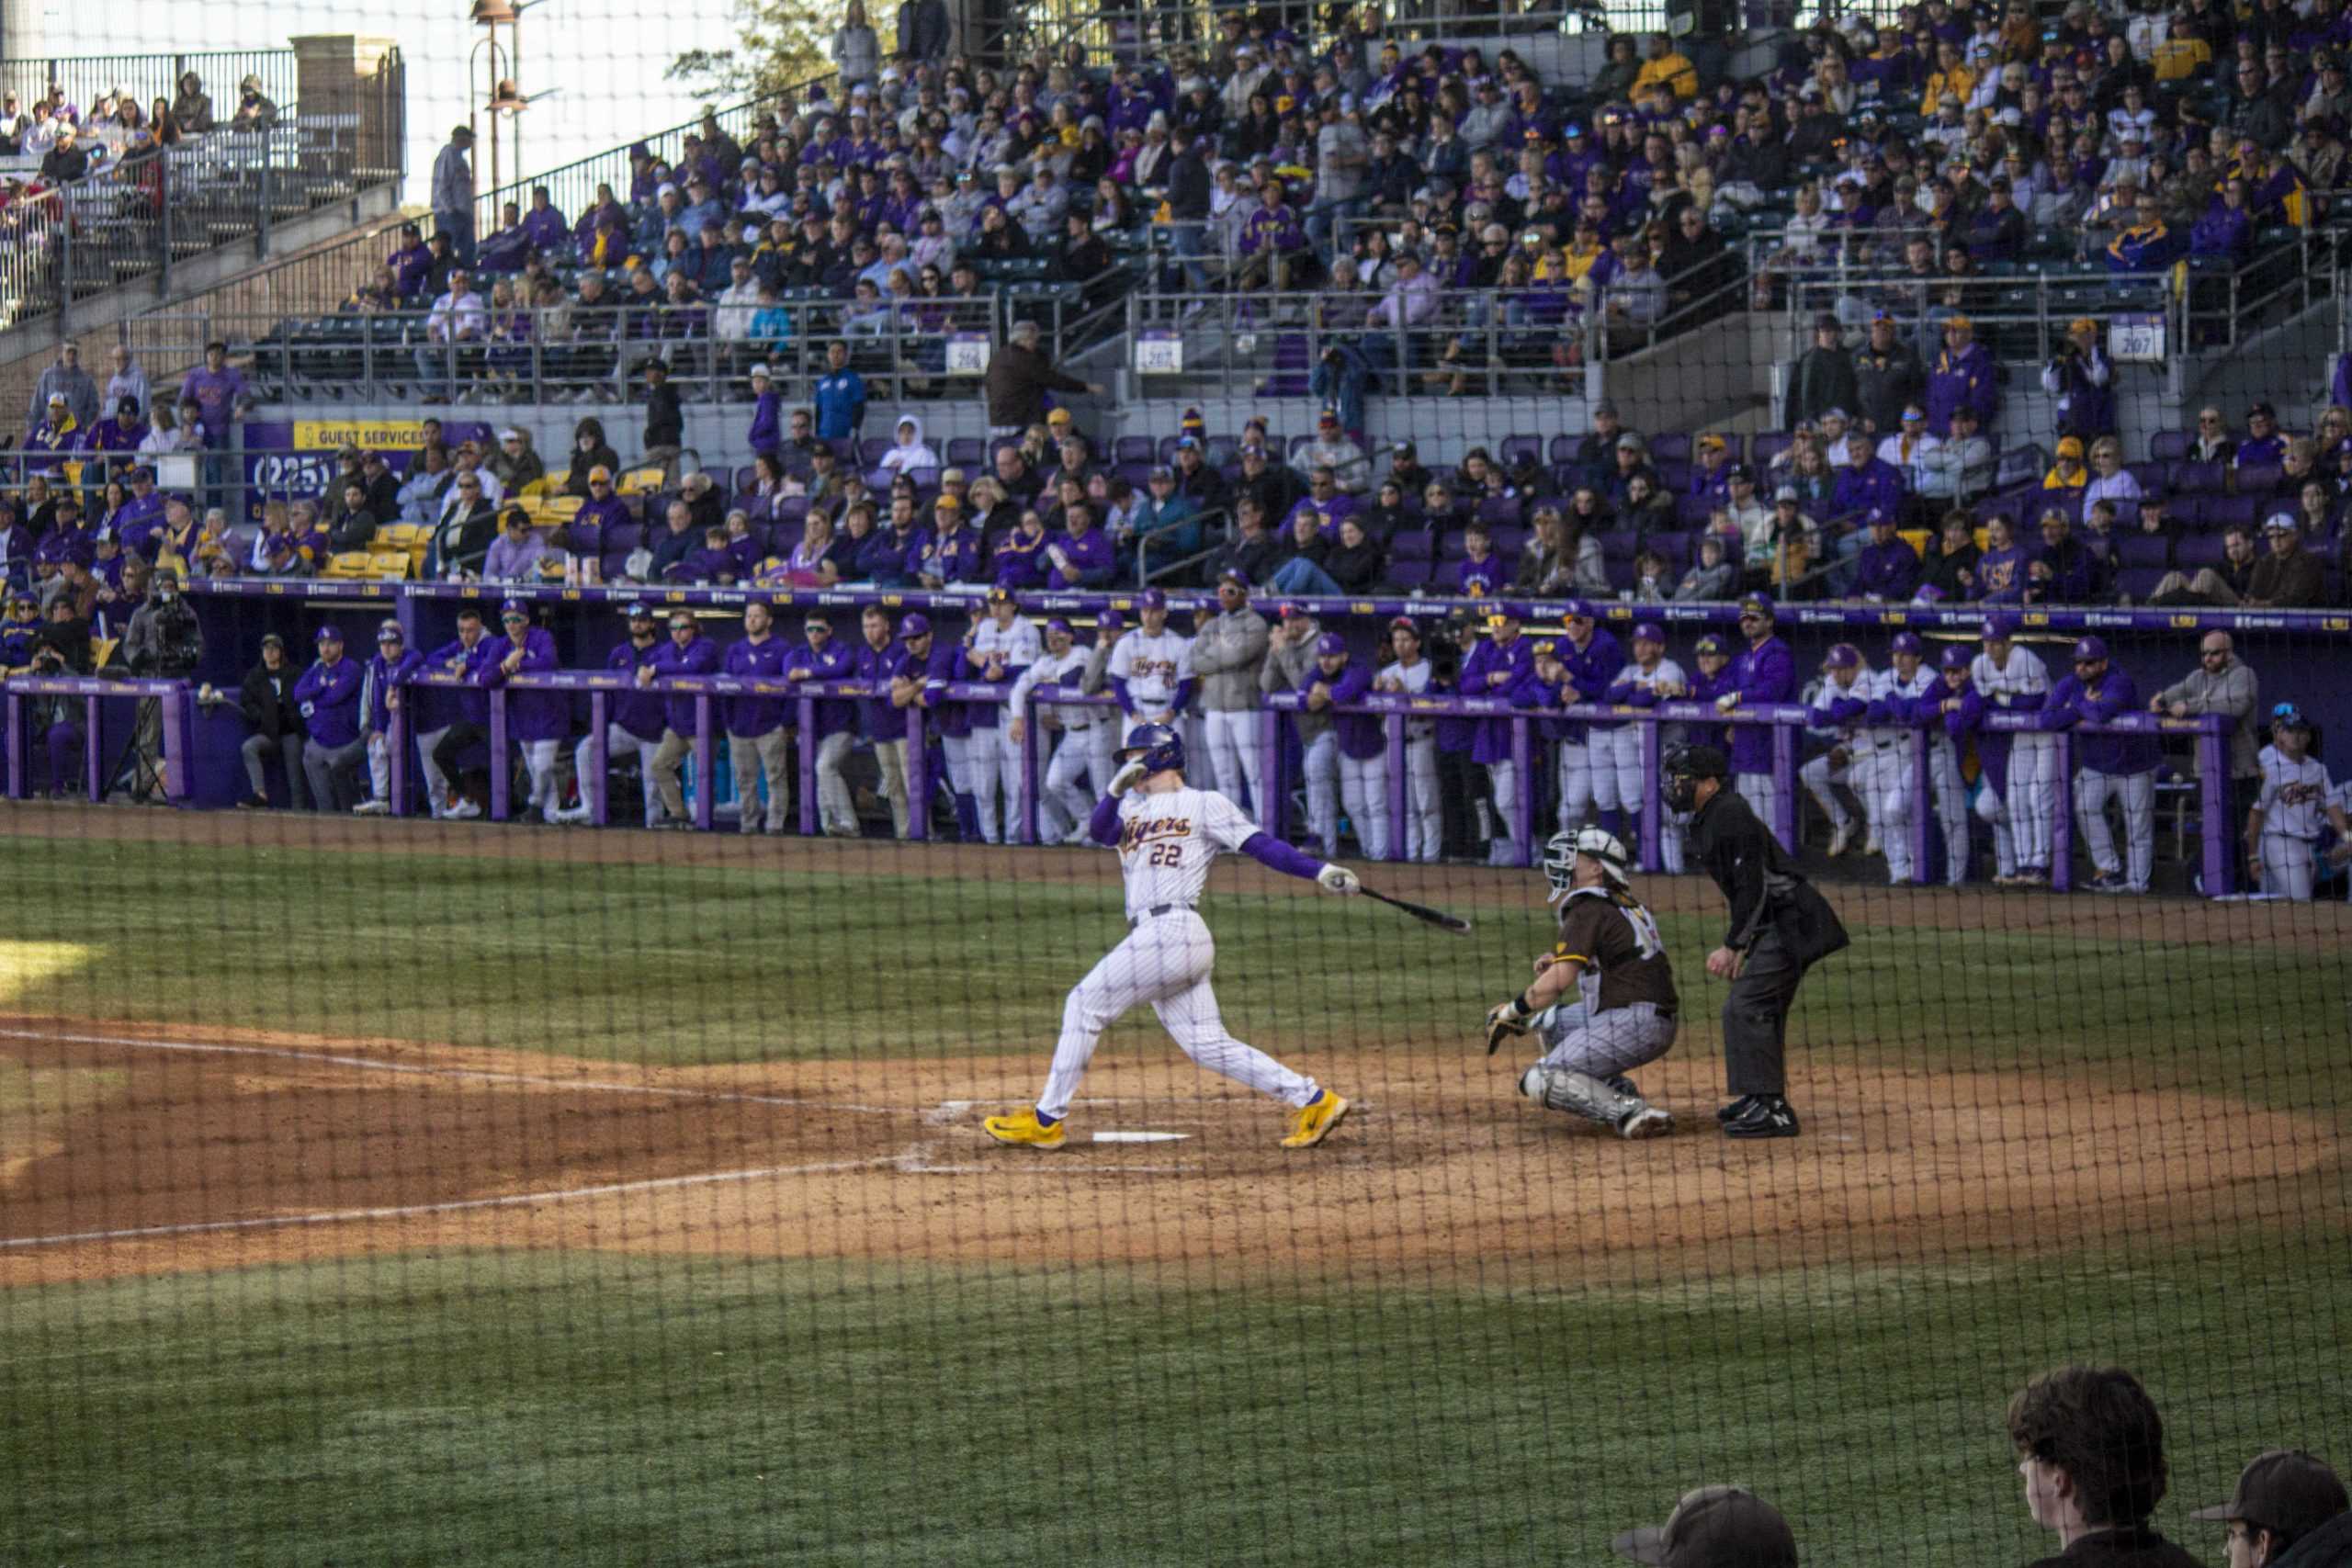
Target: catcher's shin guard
x: 1557, y: 1088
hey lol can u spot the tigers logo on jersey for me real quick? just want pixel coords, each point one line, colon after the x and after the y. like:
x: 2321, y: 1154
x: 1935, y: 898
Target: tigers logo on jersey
x: 1141, y: 830
x: 1152, y: 669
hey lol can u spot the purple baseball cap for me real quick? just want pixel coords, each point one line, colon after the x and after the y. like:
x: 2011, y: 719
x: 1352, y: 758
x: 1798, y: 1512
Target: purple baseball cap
x: 1996, y: 629
x: 514, y: 607
x: 913, y: 625
x: 1152, y: 599
x: 1755, y: 603
x: 1908, y: 642
x: 1057, y: 624
x: 640, y: 610
x: 390, y: 632
x: 1711, y: 643
x: 1648, y: 631
x: 328, y: 633
x: 1954, y: 658
x: 1109, y: 621
x: 1330, y: 643
x: 2089, y: 650
x: 1844, y: 655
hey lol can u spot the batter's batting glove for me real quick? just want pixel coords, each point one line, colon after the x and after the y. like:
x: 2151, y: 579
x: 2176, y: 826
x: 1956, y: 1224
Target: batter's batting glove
x: 1504, y: 1020
x: 1339, y: 879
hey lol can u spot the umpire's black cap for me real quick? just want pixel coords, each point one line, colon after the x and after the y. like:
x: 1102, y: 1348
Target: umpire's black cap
x: 1715, y: 1527
x: 1698, y: 762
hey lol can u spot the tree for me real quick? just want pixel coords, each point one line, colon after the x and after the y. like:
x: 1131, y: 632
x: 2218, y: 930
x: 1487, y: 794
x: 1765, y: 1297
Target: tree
x: 784, y: 46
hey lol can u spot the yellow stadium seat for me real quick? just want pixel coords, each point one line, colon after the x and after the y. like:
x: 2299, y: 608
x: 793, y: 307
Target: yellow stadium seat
x: 559, y: 507
x: 350, y: 565
x: 389, y: 566
x: 401, y: 536
x: 640, y: 481
x: 1917, y: 538
x: 537, y: 487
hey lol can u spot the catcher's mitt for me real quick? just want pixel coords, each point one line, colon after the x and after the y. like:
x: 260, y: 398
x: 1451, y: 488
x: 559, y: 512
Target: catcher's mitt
x: 1504, y: 1020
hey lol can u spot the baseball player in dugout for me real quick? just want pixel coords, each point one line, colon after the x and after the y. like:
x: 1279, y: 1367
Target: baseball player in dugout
x: 1611, y: 957
x: 1167, y: 833
x: 1780, y: 928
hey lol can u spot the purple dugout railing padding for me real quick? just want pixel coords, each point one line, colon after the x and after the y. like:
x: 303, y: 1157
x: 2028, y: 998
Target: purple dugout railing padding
x: 1890, y: 618
x: 175, y: 696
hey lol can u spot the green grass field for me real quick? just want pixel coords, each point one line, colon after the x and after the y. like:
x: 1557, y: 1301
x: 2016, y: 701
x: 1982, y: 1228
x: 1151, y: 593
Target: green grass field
x: 526, y: 1408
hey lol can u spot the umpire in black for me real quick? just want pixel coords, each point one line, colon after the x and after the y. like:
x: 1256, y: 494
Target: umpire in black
x: 1780, y: 928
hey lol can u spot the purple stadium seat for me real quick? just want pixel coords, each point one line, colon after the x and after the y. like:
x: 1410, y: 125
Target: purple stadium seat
x: 2154, y: 477
x: 1619, y: 544
x: 2199, y: 478
x: 1451, y: 548
x: 1498, y: 509
x: 926, y: 479
x: 1673, y: 473
x: 1132, y: 449
x: 2198, y: 549
x: 1767, y: 447
x: 1410, y: 544
x: 1168, y: 447
x: 871, y: 449
x: 1513, y: 447
x: 1509, y: 541
x: 1673, y: 446
x: 1407, y: 575
x: 2263, y: 479
x: 2169, y: 445
x: 2193, y: 511
x: 1692, y: 509
x: 791, y: 511
x: 1134, y: 473
x: 2224, y: 512
x: 1563, y: 448
x: 2138, y: 551
x: 965, y: 451
x: 2136, y: 582
x: 1674, y: 549
x: 745, y: 478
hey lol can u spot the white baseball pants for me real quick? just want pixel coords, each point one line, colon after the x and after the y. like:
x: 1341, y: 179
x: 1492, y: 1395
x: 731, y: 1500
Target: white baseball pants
x: 1165, y: 961
x: 1234, y: 755
x: 1762, y: 793
x: 1579, y: 786
x: 1818, y: 776
x: 1617, y: 752
x: 379, y: 765
x: 1503, y: 777
x: 1951, y: 806
x: 980, y: 774
x: 836, y: 807
x: 546, y: 788
x: 2136, y: 794
x: 956, y: 751
x: 1008, y: 784
x: 437, y: 782
x: 619, y: 742
x: 1363, y: 789
x: 2288, y: 868
x: 890, y: 756
x: 1100, y: 742
x: 1062, y: 800
x: 2032, y: 796
x: 1322, y: 769
x: 1424, y: 818
x: 1888, y: 801
x: 1996, y: 813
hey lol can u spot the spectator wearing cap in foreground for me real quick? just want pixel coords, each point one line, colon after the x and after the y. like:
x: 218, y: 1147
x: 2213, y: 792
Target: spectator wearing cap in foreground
x: 2288, y: 1511
x: 1163, y: 524
x: 1714, y: 1527
x: 2091, y: 1449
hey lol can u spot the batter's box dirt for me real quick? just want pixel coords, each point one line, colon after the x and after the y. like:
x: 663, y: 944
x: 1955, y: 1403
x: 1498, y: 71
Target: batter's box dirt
x: 146, y: 1151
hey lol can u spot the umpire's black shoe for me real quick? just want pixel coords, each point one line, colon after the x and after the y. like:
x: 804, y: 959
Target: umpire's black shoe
x: 1766, y: 1116
x: 1735, y: 1109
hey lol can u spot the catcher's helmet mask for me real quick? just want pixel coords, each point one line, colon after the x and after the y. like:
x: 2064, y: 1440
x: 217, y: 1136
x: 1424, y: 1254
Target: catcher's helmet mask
x: 1598, y: 844
x: 1158, y: 746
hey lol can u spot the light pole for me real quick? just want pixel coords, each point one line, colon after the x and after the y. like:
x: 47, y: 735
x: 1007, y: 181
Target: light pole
x: 500, y: 88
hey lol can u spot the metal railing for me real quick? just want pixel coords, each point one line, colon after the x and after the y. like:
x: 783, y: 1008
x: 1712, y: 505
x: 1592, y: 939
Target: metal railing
x: 578, y: 353
x: 135, y: 219
x: 87, y: 77
x: 1131, y: 31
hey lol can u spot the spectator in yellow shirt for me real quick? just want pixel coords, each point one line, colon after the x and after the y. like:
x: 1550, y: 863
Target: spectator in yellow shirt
x: 1953, y: 76
x: 1666, y: 66
x: 2183, y: 54
x: 2067, y: 472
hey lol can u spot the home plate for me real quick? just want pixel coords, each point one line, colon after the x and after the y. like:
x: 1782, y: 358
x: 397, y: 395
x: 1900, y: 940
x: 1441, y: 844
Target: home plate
x: 1118, y: 1137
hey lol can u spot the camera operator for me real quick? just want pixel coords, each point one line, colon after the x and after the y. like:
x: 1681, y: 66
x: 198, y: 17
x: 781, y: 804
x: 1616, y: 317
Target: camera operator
x: 2081, y: 383
x: 164, y: 643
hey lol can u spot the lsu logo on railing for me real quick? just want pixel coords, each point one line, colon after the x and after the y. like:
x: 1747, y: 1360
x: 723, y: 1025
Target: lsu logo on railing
x: 2335, y: 624
x: 2184, y: 622
x: 2035, y: 618
x: 1359, y: 607
x: 1893, y: 618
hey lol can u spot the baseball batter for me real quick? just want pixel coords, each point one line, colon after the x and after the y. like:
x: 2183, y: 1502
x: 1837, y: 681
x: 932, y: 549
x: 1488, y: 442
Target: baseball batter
x: 2014, y: 680
x: 2283, y: 830
x: 1167, y: 834
x: 1650, y: 680
x: 1152, y: 671
x: 1611, y: 953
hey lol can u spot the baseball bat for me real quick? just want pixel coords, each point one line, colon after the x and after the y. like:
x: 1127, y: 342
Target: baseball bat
x: 1437, y: 917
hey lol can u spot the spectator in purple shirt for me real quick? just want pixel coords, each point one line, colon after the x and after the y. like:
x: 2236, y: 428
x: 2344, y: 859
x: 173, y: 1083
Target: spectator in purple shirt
x: 1887, y: 568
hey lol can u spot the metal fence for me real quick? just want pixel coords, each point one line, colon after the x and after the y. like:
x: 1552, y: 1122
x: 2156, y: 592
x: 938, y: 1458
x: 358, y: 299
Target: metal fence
x: 929, y: 349
x: 135, y: 220
x: 87, y: 77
